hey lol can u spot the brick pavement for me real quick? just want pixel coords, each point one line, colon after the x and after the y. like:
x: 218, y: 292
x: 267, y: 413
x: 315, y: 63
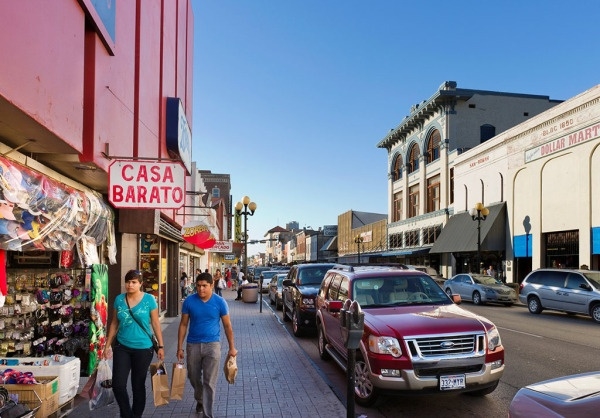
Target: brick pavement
x: 275, y: 377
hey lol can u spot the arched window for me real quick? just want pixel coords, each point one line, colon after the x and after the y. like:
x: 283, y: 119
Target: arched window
x: 433, y: 146
x: 397, y: 169
x: 413, y: 159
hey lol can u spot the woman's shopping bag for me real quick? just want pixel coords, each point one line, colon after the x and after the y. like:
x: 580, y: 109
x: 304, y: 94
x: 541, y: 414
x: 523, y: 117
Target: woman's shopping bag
x: 178, y: 379
x: 160, y: 383
x: 230, y: 369
x: 102, y: 393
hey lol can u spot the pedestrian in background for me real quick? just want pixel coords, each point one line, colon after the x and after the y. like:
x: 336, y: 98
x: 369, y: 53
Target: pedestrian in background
x: 217, y: 282
x: 201, y: 318
x: 183, y: 282
x: 241, y: 282
x: 234, y: 279
x: 135, y: 316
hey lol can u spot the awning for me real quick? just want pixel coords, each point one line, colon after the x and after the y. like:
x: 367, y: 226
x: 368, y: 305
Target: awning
x: 330, y: 245
x: 411, y: 251
x: 460, y: 232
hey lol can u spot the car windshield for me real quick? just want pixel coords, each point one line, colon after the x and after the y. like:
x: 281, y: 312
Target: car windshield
x: 312, y: 275
x: 486, y: 280
x: 395, y: 291
x: 269, y: 274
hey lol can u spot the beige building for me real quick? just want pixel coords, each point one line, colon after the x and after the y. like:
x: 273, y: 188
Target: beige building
x: 546, y: 173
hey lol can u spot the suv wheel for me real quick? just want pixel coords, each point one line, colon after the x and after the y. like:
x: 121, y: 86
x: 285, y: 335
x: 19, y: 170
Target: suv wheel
x: 595, y: 312
x: 534, y: 305
x: 321, y: 343
x: 476, y: 298
x: 365, y: 393
x: 296, y: 323
x: 284, y: 314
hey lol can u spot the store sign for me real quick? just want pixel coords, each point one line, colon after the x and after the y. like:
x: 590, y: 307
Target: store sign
x: 198, y: 234
x: 222, y: 247
x: 146, y: 184
x: 229, y: 257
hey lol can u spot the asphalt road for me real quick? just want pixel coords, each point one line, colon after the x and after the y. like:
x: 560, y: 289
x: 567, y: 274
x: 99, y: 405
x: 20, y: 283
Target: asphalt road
x: 538, y: 347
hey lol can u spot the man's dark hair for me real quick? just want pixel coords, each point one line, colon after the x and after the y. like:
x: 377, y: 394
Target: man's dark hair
x: 204, y: 276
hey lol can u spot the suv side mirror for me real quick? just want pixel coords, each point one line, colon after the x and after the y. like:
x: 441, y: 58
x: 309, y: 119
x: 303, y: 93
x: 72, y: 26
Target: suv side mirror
x: 287, y: 282
x: 585, y: 286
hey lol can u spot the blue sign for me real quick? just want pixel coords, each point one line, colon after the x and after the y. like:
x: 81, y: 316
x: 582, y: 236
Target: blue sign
x: 178, y: 133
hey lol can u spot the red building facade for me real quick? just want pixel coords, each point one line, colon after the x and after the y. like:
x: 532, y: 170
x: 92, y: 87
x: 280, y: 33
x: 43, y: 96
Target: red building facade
x: 86, y: 82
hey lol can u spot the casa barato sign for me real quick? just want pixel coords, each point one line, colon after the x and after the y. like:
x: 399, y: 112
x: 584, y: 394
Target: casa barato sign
x: 146, y: 184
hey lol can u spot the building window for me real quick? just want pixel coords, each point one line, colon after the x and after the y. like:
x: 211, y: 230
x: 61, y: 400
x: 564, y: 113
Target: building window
x: 413, y: 159
x: 397, y: 170
x: 433, y: 194
x: 433, y: 146
x: 412, y: 238
x: 398, y: 201
x: 413, y: 201
x: 486, y: 132
x: 396, y: 240
x: 431, y: 233
x: 216, y: 193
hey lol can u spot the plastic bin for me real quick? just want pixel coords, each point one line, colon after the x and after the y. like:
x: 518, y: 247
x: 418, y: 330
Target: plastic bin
x: 250, y: 293
x: 66, y: 368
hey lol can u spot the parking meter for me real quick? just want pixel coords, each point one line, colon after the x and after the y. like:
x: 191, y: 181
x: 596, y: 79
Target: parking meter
x: 353, y: 324
x: 352, y: 320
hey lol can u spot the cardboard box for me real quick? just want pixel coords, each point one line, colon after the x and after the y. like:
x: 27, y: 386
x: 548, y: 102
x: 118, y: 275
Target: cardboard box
x: 67, y: 369
x: 47, y: 391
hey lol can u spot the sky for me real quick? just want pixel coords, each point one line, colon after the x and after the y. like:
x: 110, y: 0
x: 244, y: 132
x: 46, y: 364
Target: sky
x: 292, y: 97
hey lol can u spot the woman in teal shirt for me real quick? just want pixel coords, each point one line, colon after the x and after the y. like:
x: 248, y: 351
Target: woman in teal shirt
x: 131, y: 345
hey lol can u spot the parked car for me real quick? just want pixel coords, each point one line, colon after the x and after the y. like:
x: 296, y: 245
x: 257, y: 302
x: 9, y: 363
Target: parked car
x: 566, y: 290
x: 254, y: 273
x: 480, y: 289
x: 275, y: 288
x: 569, y: 396
x: 265, y: 278
x: 298, y: 295
x: 415, y: 338
x: 429, y: 270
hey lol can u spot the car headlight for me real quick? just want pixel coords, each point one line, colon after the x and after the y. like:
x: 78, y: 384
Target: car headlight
x: 308, y: 302
x: 384, y: 345
x: 493, y: 337
x: 488, y: 290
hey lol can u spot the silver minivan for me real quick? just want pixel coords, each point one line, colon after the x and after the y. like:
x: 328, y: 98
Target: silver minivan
x: 571, y: 291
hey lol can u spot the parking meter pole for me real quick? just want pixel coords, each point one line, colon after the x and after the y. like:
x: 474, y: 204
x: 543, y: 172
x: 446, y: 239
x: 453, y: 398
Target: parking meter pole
x: 350, y: 383
x: 260, y: 293
x: 353, y: 322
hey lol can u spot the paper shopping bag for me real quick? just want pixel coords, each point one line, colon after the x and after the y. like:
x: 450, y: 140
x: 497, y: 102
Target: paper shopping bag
x: 178, y: 378
x: 230, y: 369
x: 160, y: 383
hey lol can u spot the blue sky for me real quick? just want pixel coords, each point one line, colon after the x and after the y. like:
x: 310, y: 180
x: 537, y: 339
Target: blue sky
x: 291, y: 97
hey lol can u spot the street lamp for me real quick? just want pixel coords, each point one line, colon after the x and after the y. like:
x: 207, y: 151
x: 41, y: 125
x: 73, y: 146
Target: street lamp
x: 248, y: 210
x: 358, y: 240
x: 479, y: 213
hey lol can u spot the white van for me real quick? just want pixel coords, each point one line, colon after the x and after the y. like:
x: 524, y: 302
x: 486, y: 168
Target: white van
x: 566, y: 290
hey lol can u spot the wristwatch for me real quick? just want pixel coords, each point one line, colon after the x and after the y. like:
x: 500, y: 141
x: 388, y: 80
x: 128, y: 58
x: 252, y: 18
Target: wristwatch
x: 161, y: 346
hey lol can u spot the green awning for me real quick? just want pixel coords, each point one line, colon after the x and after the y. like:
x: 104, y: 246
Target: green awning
x: 460, y: 232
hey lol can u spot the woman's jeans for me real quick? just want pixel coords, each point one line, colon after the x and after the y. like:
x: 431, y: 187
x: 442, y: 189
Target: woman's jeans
x: 203, y: 371
x: 136, y: 361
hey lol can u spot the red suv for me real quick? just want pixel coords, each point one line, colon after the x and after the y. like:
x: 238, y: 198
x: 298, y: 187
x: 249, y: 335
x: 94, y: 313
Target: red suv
x: 415, y: 338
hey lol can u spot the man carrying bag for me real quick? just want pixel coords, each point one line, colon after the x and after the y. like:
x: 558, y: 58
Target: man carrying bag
x: 202, y: 314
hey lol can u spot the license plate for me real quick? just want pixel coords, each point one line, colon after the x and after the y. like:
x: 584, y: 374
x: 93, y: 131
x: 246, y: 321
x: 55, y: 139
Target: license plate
x: 456, y: 381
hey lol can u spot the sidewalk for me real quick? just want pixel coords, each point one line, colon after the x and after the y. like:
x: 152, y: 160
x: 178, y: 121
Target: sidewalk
x: 275, y: 377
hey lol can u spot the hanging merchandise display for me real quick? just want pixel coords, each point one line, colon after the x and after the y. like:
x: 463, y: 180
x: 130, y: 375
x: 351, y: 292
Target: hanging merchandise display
x: 39, y: 213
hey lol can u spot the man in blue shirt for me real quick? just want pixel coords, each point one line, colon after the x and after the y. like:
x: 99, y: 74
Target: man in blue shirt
x: 201, y: 316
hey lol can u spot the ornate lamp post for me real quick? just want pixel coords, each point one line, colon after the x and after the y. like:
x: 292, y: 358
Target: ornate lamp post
x: 358, y: 240
x: 479, y: 213
x: 248, y: 210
